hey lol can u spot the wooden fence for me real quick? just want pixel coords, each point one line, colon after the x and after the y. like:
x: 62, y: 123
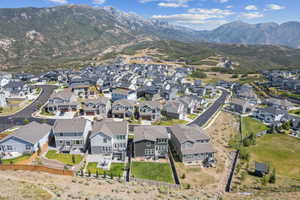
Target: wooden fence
x: 156, y: 183
x: 37, y: 168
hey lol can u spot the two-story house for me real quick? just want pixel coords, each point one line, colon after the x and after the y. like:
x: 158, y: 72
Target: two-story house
x: 71, y: 134
x: 62, y: 101
x: 270, y: 114
x: 120, y: 93
x: 100, y: 107
x: 151, y: 142
x: 174, y: 109
x: 123, y: 108
x: 109, y: 138
x: 191, y: 144
x: 150, y: 110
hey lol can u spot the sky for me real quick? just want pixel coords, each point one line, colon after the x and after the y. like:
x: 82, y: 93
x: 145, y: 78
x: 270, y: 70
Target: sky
x: 196, y: 14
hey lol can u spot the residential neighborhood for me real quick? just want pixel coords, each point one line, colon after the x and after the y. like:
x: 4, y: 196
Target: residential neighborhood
x: 120, y: 120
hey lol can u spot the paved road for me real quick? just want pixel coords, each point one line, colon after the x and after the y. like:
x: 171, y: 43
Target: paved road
x: 18, y: 118
x: 208, y: 114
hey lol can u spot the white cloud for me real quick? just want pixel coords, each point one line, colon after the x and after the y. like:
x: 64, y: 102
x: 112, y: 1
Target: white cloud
x: 198, y: 18
x: 251, y: 7
x: 172, y: 5
x: 59, y: 1
x: 275, y: 7
x: 99, y: 2
x: 252, y: 15
x: 169, y: 3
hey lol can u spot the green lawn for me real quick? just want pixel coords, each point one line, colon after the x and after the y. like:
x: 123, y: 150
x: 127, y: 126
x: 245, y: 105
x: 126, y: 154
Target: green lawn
x: 295, y: 112
x: 170, y: 122
x: 116, y: 169
x: 16, y: 160
x: 152, y: 171
x: 192, y: 116
x: 281, y: 151
x: 250, y: 125
x: 64, y: 158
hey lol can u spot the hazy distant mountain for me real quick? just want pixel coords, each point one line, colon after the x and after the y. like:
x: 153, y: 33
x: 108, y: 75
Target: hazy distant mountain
x: 40, y: 37
x: 37, y: 36
x: 287, y: 34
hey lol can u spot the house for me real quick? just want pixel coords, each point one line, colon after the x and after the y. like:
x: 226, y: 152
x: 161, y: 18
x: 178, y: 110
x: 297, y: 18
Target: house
x: 100, y: 106
x: 240, y: 106
x: 61, y: 102
x: 150, y: 110
x: 150, y: 142
x: 27, y: 139
x: 174, y: 109
x: 16, y: 89
x: 246, y: 92
x: 123, y: 108
x: 261, y: 169
x: 119, y: 93
x: 189, y: 102
x: 109, y: 138
x: 169, y: 94
x: 191, y: 144
x: 270, y: 114
x: 283, y: 104
x: 81, y: 90
x: 71, y: 134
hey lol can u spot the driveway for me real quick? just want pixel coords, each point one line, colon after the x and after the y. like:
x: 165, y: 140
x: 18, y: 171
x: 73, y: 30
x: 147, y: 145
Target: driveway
x: 18, y: 118
x: 209, y: 113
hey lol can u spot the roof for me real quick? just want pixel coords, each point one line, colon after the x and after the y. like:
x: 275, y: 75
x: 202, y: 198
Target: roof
x: 262, y: 167
x: 31, y: 132
x: 149, y: 133
x: 199, y: 148
x: 238, y: 101
x: 152, y: 104
x: 76, y: 125
x: 188, y: 133
x: 125, y: 102
x: 172, y: 106
x: 110, y: 127
x: 65, y: 94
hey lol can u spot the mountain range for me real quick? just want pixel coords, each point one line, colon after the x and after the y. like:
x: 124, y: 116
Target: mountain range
x: 287, y: 34
x: 39, y: 37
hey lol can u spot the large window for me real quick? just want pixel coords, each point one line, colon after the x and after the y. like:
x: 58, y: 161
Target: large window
x: 28, y: 147
x: 9, y: 148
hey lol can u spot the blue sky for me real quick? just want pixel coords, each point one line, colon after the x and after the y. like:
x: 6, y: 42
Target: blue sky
x: 197, y: 14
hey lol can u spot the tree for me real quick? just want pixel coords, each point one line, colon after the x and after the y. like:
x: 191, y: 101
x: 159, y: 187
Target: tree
x: 73, y: 159
x: 0, y: 161
x: 244, y: 154
x: 97, y: 174
x: 111, y: 175
x: 39, y: 149
x: 104, y: 174
x: 273, y: 176
x: 81, y: 172
x: 26, y: 121
x: 1, y: 109
x: 89, y: 173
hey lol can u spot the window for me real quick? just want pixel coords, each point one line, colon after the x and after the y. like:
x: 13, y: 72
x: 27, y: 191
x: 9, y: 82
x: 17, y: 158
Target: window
x: 77, y: 141
x: 148, y: 144
x: 28, y: 147
x: 9, y: 148
x: 61, y: 134
x: 105, y: 140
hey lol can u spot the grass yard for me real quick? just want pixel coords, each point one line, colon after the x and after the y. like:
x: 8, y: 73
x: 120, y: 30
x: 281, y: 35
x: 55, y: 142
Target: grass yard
x: 281, y: 151
x: 16, y: 160
x: 152, y: 171
x: 295, y: 112
x: 192, y: 116
x: 250, y: 125
x: 116, y: 169
x: 64, y: 158
x: 170, y: 122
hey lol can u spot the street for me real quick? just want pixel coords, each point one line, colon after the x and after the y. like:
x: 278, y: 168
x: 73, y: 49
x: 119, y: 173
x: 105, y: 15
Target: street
x: 18, y: 118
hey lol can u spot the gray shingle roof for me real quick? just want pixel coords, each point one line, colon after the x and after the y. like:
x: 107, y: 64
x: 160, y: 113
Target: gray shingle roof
x: 149, y: 133
x: 31, y: 132
x: 199, y: 148
x: 185, y: 133
x: 76, y: 125
x: 110, y: 127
